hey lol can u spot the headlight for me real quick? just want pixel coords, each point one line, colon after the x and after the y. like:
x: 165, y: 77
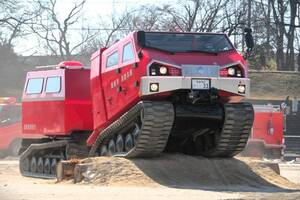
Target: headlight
x: 231, y: 71
x: 154, y: 87
x: 242, y: 89
x: 163, y: 70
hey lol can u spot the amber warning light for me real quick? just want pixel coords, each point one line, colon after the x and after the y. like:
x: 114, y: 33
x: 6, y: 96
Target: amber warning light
x: 7, y: 100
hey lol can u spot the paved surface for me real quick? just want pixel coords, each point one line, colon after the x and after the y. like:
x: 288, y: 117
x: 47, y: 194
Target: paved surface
x: 291, y: 172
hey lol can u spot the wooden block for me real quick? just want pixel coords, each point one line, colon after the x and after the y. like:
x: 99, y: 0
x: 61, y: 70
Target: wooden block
x: 65, y: 169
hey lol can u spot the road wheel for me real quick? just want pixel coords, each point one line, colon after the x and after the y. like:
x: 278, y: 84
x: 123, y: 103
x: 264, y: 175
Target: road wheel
x: 103, y: 151
x: 33, y: 164
x: 128, y: 142
x: 40, y: 165
x: 120, y: 143
x: 47, y: 166
x: 111, y: 147
x: 25, y: 165
x: 2, y: 154
x: 15, y: 147
x: 135, y: 133
x: 53, y: 166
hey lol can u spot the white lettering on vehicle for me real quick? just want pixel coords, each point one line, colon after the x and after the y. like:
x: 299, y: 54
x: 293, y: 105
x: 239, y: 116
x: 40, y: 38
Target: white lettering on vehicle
x: 124, y: 77
x: 29, y: 126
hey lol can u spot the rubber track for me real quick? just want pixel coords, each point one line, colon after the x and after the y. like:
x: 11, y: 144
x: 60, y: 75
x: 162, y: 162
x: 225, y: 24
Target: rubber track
x: 236, y: 129
x: 34, y: 147
x: 158, y: 118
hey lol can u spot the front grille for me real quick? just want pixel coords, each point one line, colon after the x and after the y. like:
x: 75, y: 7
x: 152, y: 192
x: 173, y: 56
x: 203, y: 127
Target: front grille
x: 200, y: 70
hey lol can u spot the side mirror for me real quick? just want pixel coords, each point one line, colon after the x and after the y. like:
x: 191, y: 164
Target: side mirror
x: 141, y: 38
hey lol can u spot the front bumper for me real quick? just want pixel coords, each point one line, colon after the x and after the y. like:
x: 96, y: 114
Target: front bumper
x: 167, y: 84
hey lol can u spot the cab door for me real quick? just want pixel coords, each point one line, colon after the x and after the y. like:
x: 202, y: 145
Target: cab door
x: 111, y: 80
x: 129, y: 81
x: 119, y: 79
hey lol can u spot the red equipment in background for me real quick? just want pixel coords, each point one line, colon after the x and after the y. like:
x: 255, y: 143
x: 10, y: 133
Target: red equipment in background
x: 266, y: 139
x: 10, y: 126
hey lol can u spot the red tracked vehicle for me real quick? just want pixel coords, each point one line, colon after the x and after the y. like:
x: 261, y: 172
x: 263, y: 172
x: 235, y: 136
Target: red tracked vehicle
x: 266, y: 139
x: 10, y: 126
x: 150, y: 92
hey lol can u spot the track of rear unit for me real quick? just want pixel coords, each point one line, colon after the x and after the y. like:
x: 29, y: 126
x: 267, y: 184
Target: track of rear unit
x: 157, y: 120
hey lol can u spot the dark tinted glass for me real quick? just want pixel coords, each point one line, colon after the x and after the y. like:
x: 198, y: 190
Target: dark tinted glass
x: 180, y: 42
x: 10, y: 115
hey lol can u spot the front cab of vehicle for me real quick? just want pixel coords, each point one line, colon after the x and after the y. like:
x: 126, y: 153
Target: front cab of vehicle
x: 205, y: 66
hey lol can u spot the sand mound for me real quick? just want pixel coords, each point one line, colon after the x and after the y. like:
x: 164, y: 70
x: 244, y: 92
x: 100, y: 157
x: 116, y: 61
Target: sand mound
x: 183, y: 171
x: 115, y: 171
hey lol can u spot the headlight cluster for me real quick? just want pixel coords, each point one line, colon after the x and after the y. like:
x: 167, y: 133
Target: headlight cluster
x: 162, y: 70
x: 233, y: 71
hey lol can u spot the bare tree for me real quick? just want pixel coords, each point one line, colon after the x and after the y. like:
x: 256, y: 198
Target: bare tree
x: 232, y: 21
x: 196, y: 15
x: 13, y: 17
x: 279, y: 8
x: 148, y: 18
x: 117, y: 28
x: 55, y: 32
x: 108, y: 32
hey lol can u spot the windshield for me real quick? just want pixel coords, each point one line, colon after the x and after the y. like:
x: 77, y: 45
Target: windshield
x: 185, y: 42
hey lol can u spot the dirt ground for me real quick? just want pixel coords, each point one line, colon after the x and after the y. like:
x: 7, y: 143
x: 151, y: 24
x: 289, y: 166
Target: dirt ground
x: 168, y: 177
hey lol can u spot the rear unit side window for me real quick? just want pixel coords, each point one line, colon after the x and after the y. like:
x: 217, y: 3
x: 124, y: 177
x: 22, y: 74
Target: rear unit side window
x: 53, y: 84
x: 34, y: 86
x: 113, y: 59
x: 127, y: 53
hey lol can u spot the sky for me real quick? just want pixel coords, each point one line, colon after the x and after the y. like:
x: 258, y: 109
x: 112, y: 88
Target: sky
x: 93, y: 10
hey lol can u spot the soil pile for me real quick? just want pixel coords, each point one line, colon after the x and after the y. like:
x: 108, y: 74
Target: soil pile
x: 181, y: 171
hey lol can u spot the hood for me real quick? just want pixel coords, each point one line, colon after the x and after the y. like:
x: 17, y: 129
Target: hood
x: 196, y: 59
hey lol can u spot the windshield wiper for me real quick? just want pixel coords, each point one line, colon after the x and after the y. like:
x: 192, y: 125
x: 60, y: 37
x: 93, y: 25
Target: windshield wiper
x: 202, y: 51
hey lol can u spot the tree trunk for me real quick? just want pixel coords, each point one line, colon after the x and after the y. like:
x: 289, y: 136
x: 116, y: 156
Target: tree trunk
x: 268, y: 30
x: 290, y: 53
x: 278, y: 14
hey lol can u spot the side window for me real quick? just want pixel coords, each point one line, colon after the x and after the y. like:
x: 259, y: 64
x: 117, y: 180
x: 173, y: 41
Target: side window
x: 11, y: 115
x: 34, y: 86
x: 127, y: 52
x: 53, y: 84
x: 113, y: 59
